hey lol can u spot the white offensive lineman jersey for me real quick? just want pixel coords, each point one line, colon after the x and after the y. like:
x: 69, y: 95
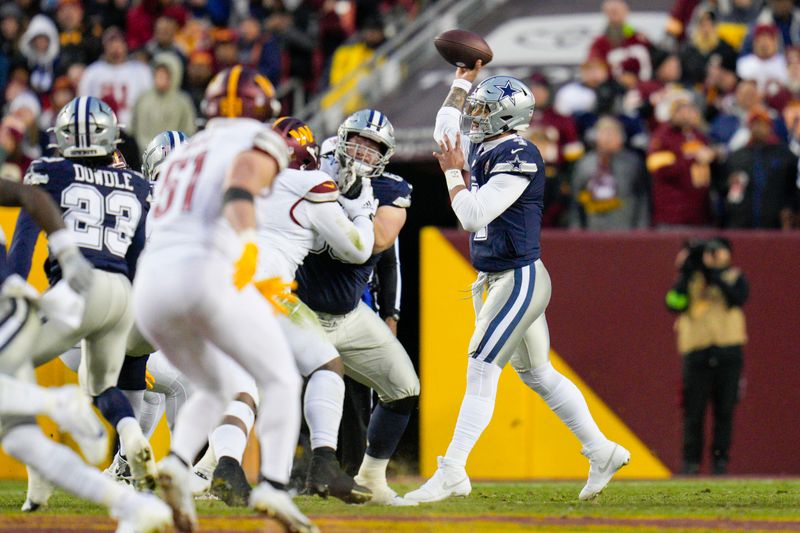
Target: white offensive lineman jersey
x: 300, y: 214
x: 187, y: 202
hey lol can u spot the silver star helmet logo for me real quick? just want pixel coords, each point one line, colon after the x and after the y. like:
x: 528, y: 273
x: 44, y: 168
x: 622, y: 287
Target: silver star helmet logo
x: 508, y: 91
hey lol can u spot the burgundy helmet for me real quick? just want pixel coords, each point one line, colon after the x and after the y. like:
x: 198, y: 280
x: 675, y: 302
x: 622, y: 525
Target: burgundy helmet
x: 240, y: 92
x: 118, y: 160
x: 300, y: 138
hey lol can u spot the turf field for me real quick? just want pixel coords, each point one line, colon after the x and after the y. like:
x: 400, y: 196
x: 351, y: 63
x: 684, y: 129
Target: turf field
x: 676, y: 505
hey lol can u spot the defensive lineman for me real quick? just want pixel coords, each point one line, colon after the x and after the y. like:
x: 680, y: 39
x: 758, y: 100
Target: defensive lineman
x: 503, y: 210
x: 105, y: 209
x: 333, y: 289
x: 196, y: 302
x: 300, y: 213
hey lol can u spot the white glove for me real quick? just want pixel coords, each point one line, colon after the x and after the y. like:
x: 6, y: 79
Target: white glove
x: 75, y: 269
x: 364, y: 204
x: 63, y: 306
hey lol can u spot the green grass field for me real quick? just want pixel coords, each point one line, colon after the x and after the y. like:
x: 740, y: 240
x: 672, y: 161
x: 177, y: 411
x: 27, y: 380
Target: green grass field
x: 676, y: 505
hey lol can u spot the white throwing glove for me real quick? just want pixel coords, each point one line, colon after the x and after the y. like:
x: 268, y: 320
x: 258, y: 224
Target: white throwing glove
x: 364, y: 204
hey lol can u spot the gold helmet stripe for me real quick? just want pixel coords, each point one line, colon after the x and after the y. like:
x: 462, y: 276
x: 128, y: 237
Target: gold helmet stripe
x: 232, y: 105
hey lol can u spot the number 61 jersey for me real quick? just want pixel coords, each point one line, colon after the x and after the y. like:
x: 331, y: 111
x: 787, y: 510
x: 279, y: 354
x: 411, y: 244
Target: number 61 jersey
x: 103, y: 207
x: 186, y: 216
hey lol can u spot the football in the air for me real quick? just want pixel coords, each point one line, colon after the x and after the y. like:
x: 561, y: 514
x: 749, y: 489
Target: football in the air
x: 462, y: 48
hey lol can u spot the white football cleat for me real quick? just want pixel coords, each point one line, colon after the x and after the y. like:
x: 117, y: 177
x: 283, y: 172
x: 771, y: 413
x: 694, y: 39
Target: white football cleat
x: 142, y: 513
x: 73, y: 413
x: 448, y: 480
x: 200, y: 481
x: 382, y: 493
x: 603, y: 464
x: 119, y: 470
x: 39, y: 492
x: 173, y: 478
x: 278, y: 504
x: 141, y: 461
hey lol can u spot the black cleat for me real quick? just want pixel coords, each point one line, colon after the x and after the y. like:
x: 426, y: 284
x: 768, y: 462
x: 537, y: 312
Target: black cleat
x: 326, y: 478
x: 230, y: 484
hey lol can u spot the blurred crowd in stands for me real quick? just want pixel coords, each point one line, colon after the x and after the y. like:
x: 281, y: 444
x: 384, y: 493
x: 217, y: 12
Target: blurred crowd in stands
x: 151, y: 60
x: 700, y: 129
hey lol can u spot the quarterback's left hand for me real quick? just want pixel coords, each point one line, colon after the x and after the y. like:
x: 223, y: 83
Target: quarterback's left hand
x: 245, y: 267
x: 277, y: 292
x: 452, y: 157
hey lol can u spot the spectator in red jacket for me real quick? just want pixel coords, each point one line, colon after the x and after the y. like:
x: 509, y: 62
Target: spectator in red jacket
x: 141, y: 20
x: 679, y: 160
x: 620, y: 41
x: 679, y: 17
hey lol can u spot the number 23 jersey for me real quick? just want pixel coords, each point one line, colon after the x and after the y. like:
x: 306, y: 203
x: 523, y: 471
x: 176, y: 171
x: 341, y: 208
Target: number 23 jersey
x: 103, y: 207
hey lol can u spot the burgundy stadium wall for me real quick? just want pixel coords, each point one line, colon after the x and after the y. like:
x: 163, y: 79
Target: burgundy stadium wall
x: 608, y: 320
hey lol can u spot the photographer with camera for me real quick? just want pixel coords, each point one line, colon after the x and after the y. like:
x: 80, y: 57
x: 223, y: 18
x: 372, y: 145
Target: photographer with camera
x: 708, y: 296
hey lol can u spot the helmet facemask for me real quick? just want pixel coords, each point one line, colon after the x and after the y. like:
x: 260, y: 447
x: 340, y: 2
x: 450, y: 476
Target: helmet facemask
x: 475, y: 119
x: 358, y: 160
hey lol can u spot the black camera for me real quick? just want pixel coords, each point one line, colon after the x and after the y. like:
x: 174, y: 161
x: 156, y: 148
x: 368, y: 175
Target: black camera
x: 697, y: 247
x: 694, y: 260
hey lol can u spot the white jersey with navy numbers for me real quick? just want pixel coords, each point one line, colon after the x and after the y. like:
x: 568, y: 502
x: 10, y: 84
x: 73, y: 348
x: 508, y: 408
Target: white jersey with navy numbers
x: 187, y: 203
x: 285, y: 231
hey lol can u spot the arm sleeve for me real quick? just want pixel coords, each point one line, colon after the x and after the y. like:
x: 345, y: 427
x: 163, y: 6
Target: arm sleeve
x: 475, y: 209
x: 448, y: 122
x: 22, y: 245
x: 389, y: 281
x: 735, y: 293
x: 351, y: 241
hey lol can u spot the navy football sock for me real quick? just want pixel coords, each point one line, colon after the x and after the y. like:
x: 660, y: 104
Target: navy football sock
x: 385, y: 430
x: 113, y: 405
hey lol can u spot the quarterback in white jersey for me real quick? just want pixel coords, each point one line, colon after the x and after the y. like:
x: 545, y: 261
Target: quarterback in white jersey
x: 199, y: 305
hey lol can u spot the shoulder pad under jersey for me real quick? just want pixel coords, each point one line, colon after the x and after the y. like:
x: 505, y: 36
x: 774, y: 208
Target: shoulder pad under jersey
x: 515, y: 157
x: 391, y: 189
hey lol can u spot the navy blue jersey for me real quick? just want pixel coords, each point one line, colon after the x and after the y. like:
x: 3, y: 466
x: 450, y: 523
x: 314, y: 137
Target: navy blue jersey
x: 4, y: 270
x: 103, y: 207
x: 512, y: 239
x: 328, y: 285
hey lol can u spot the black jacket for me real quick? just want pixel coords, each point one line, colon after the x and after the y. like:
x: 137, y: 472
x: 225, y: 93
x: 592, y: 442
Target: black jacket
x: 761, y: 204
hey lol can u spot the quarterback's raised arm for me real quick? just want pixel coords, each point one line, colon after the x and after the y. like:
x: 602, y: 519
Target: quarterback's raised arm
x: 449, y: 116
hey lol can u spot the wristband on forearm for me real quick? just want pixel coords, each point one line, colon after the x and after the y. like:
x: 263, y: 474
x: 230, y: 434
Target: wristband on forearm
x: 248, y: 235
x: 453, y: 178
x: 464, y: 85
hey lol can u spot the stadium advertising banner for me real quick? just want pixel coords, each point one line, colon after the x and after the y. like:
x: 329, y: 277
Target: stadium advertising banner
x: 559, y: 39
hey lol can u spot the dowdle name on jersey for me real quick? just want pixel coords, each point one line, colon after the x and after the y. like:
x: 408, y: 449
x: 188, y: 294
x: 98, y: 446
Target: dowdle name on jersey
x: 105, y: 209
x: 107, y: 178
